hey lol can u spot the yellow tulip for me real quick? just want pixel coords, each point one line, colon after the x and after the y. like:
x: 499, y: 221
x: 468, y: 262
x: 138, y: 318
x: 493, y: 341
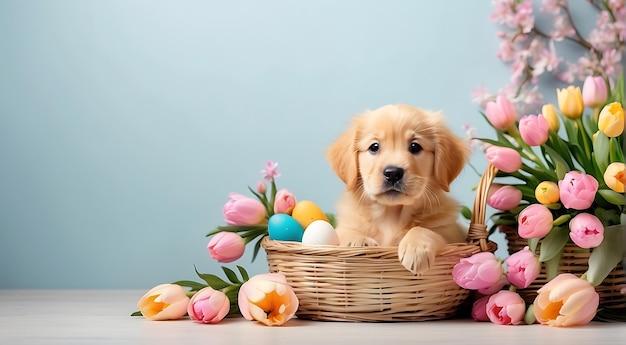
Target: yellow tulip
x: 570, y: 102
x: 547, y: 192
x: 611, y: 120
x: 614, y: 176
x: 549, y: 113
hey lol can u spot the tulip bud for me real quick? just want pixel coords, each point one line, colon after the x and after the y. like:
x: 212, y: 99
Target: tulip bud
x: 501, y: 113
x: 261, y: 188
x: 577, y: 190
x: 506, y: 308
x: 547, y: 192
x: 164, y: 302
x: 570, y: 102
x: 615, y: 176
x: 565, y: 301
x: 534, y: 221
x: 611, y: 120
x: 284, y: 202
x: 479, y: 271
x: 479, y: 309
x: 594, y: 92
x: 549, y: 113
x: 503, y: 197
x: 504, y: 158
x: 226, y: 246
x: 241, y: 210
x: 208, y: 306
x: 534, y: 129
x: 586, y: 230
x: 523, y: 268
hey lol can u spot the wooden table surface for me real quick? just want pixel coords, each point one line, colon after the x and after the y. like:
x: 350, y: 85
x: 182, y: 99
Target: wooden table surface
x: 103, y: 317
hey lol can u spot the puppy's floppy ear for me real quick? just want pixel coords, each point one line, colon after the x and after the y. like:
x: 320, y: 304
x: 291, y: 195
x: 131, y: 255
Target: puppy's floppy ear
x: 342, y: 155
x: 451, y: 155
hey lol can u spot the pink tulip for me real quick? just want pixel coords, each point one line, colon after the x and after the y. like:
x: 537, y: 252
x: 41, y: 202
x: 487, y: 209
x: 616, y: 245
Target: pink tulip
x: 586, y: 230
x: 523, y: 268
x: 504, y: 158
x: 506, y: 308
x: 595, y: 92
x: 497, y: 286
x: 479, y: 309
x: 284, y: 202
x: 577, y: 190
x: 226, y: 246
x: 503, y: 197
x: 164, y: 302
x: 501, y: 113
x: 268, y: 298
x: 479, y: 271
x: 208, y: 306
x: 565, y: 301
x: 534, y: 221
x: 241, y: 210
x: 534, y: 129
x: 261, y: 188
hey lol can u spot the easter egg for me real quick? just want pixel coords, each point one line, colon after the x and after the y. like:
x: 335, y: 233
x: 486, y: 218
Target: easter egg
x: 282, y: 227
x: 305, y: 212
x: 320, y: 232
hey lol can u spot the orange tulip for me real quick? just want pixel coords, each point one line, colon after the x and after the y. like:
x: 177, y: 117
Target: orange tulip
x: 566, y: 301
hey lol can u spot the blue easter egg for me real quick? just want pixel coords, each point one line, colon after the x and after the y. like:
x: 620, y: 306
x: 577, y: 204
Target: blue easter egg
x: 282, y: 227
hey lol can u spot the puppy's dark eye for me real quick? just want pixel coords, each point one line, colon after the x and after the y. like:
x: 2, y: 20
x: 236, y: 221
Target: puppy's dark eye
x: 374, y: 148
x: 415, y: 148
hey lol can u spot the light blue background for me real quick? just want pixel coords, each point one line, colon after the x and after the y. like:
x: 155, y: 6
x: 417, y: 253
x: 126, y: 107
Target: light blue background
x: 125, y: 124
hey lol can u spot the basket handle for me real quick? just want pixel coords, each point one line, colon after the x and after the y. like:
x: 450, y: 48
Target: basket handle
x: 478, y: 234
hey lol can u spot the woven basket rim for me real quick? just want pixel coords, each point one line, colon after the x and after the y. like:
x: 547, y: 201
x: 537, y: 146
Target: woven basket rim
x: 450, y: 249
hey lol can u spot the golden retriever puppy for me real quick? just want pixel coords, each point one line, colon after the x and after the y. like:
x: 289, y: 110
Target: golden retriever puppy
x: 397, y: 163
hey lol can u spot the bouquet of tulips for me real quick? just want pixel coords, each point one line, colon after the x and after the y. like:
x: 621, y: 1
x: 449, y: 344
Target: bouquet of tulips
x: 558, y: 190
x: 266, y: 298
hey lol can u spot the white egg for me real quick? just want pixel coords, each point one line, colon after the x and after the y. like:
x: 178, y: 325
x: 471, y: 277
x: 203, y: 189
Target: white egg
x: 320, y: 232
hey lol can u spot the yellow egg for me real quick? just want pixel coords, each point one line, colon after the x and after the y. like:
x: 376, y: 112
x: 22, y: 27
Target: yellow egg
x: 305, y: 212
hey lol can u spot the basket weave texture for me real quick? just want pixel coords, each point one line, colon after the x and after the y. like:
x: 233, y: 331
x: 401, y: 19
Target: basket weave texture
x: 369, y: 284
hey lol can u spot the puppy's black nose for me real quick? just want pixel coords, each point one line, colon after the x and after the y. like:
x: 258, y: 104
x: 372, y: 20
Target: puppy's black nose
x: 393, y: 174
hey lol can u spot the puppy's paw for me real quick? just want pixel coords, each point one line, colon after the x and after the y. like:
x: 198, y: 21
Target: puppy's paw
x: 359, y: 241
x: 418, y: 248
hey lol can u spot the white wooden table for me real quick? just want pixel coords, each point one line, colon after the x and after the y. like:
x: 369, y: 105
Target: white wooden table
x: 102, y: 317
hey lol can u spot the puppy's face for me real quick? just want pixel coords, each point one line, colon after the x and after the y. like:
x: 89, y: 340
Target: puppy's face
x: 397, y: 154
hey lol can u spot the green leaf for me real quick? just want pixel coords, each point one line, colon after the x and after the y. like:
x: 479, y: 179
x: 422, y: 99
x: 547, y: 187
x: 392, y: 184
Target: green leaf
x: 616, y: 152
x: 466, y: 212
x: 195, y: 286
x: 533, y: 243
x: 601, y: 151
x: 332, y: 219
x: 137, y: 313
x: 618, y: 91
x: 552, y: 266
x: 214, y: 281
x: 244, y: 274
x: 257, y: 248
x: 607, y: 255
x: 561, y: 166
x: 613, y: 197
x: 529, y: 316
x: 553, y: 243
x: 230, y: 274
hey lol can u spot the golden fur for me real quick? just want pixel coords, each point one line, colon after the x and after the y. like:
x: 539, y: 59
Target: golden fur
x: 397, y: 163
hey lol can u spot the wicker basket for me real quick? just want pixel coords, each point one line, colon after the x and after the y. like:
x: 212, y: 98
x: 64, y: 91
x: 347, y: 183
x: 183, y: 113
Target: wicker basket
x: 369, y: 283
x: 574, y: 260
